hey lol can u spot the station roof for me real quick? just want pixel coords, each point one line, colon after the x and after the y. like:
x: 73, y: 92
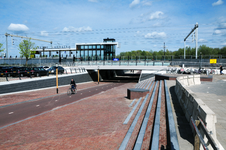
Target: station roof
x: 55, y: 49
x: 74, y: 49
x: 103, y: 43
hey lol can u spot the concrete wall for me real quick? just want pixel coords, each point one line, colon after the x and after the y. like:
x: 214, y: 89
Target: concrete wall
x: 193, y: 105
x: 37, y: 61
x: 43, y: 82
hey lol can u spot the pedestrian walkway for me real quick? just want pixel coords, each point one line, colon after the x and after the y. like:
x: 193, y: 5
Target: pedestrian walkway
x: 214, y: 96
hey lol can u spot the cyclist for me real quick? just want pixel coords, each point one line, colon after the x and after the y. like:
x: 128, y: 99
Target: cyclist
x: 73, y: 85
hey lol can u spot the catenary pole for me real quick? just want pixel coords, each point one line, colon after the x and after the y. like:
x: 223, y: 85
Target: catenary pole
x: 7, y: 53
x: 196, y: 33
x: 196, y: 40
x: 184, y: 49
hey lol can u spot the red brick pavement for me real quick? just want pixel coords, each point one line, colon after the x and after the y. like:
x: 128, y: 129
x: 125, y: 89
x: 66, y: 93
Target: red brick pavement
x: 148, y: 132
x: 92, y: 123
x: 163, y: 128
x: 136, y: 130
x: 24, y: 96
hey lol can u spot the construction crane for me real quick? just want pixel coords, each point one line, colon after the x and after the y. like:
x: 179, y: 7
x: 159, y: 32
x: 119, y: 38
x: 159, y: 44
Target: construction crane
x: 7, y: 55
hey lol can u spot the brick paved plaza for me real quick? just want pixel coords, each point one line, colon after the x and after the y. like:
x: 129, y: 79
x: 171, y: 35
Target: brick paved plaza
x: 91, y: 123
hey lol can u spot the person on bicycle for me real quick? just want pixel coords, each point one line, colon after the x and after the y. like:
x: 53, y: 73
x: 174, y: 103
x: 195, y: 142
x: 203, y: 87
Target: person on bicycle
x: 73, y: 85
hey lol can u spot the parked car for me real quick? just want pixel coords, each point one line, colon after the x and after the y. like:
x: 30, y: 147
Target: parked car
x: 24, y: 71
x: 1, y: 72
x: 15, y: 71
x: 53, y: 69
x: 8, y: 71
x: 38, y: 71
x: 45, y: 67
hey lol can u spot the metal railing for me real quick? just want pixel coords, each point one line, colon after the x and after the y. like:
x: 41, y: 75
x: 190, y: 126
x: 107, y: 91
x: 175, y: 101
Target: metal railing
x: 199, y: 125
x: 19, y: 74
x: 122, y: 60
x: 122, y: 63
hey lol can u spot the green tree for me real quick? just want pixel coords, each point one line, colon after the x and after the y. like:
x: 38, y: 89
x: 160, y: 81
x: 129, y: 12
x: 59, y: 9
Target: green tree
x: 222, y: 51
x: 1, y: 47
x: 25, y: 49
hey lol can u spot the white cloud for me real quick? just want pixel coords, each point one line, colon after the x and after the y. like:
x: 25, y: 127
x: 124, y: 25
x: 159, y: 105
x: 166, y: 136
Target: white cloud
x: 137, y: 33
x: 222, y: 19
x: 134, y: 3
x: 44, y: 33
x: 158, y: 24
x: 92, y: 0
x: 156, y: 15
x: 223, y: 43
x: 73, y: 29
x: 145, y: 2
x: 222, y: 25
x: 17, y: 27
x: 155, y: 35
x: 220, y: 32
x: 219, y: 2
x: 202, y: 41
x: 217, y: 32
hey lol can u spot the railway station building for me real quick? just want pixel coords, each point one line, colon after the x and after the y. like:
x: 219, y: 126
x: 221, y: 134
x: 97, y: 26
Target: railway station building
x: 104, y: 50
x: 84, y: 51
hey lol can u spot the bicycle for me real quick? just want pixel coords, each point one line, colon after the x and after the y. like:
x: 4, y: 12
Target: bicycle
x: 71, y: 91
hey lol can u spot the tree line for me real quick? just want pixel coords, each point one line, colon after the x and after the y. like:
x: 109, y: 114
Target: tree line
x: 203, y: 50
x: 26, y: 45
x: 25, y: 48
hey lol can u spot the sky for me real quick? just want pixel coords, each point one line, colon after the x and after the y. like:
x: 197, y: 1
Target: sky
x: 135, y: 24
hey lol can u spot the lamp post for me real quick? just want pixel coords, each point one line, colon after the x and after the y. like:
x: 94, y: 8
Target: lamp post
x: 98, y: 75
x: 200, y: 60
x: 57, y: 78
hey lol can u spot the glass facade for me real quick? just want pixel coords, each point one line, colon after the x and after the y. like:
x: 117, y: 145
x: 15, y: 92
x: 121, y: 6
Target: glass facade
x: 104, y: 50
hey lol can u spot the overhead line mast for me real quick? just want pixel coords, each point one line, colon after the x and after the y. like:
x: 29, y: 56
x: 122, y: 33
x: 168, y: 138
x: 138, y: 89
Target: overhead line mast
x: 196, y: 39
x: 6, y: 34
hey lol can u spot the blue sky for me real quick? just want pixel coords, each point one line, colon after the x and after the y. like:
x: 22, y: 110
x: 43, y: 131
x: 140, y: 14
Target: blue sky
x: 135, y: 24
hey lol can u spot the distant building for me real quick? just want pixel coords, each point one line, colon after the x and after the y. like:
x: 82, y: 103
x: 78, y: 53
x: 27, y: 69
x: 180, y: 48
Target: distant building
x: 86, y: 51
x: 105, y: 50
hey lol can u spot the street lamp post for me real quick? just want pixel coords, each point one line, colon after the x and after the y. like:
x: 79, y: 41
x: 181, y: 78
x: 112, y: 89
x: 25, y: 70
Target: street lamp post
x: 98, y: 75
x: 57, y: 78
x: 200, y: 60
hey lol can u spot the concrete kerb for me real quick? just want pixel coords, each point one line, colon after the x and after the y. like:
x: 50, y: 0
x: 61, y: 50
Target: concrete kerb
x: 194, y: 106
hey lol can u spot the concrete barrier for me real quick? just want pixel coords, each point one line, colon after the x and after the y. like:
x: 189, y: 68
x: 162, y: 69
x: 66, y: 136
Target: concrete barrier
x: 193, y: 105
x: 44, y: 82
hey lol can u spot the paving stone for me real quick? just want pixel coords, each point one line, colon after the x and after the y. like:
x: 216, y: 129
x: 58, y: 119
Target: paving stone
x: 93, y: 123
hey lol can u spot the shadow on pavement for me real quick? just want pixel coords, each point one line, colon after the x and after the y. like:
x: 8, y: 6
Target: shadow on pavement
x: 183, y: 125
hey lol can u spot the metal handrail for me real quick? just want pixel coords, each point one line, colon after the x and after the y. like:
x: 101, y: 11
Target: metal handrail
x: 209, y: 137
x: 199, y: 134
